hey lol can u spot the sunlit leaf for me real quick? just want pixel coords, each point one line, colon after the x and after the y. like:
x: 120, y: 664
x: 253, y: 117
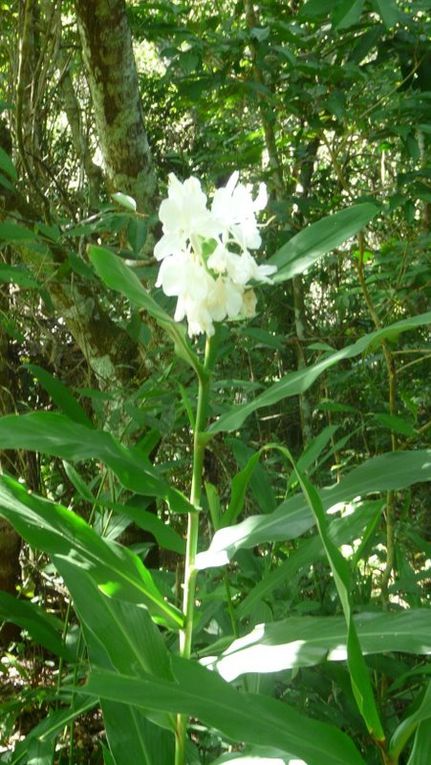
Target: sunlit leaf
x: 239, y: 716
x: 394, y: 470
x: 59, y: 436
x: 298, y: 382
x: 124, y: 200
x: 122, y: 636
x: 316, y: 240
x: 358, y: 670
x: 119, y: 277
x: 302, y: 641
x: 53, y: 529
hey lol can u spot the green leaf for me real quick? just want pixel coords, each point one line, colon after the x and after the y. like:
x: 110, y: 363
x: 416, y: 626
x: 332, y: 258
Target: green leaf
x: 333, y: 406
x: 203, y: 694
x: 408, y: 726
x: 124, y: 200
x: 239, y: 487
x: 297, y: 382
x: 17, y: 275
x: 79, y: 484
x: 5, y: 182
x: 164, y: 535
x: 7, y: 165
x: 121, y: 278
x: 41, y: 752
x: 214, y: 506
x: 43, y: 628
x: 59, y: 436
x: 421, y: 751
x: 358, y: 670
x: 395, y: 423
x: 391, y: 471
x: 136, y: 234
x: 50, y: 727
x: 319, y: 238
x: 341, y: 530
x: 388, y: 11
x: 60, y: 395
x: 135, y: 739
x: 317, y: 8
x: 122, y: 636
x: 314, y: 449
x: 303, y: 641
x: 257, y: 755
x: 12, y: 232
x: 346, y: 13
x: 107, y: 757
x: 262, y: 337
x: 53, y: 529
x: 260, y: 481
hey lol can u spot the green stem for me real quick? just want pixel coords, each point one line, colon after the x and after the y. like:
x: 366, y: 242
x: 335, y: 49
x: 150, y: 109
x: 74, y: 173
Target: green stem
x: 186, y: 634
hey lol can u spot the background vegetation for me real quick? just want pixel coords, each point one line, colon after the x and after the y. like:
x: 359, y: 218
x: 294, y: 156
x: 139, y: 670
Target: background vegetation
x: 329, y: 103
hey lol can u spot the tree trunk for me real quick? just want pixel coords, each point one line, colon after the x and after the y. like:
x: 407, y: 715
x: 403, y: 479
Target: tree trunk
x: 113, y: 81
x: 80, y: 142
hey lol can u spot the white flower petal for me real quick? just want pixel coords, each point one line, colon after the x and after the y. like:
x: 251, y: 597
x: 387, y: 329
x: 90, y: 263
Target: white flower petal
x: 263, y: 272
x: 171, y: 275
x: 218, y: 260
x: 216, y: 289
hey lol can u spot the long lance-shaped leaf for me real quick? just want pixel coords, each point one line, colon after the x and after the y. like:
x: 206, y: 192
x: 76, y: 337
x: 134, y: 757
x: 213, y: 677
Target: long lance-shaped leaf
x: 421, y: 751
x: 122, y: 636
x: 64, y: 535
x: 395, y: 470
x: 359, y: 676
x: 59, y: 436
x: 164, y: 535
x: 408, y: 726
x: 119, y: 277
x: 60, y: 394
x: 243, y: 717
x: 44, y: 628
x: 303, y: 641
x: 257, y: 755
x: 242, y: 479
x: 297, y: 382
x: 342, y: 531
x: 300, y: 252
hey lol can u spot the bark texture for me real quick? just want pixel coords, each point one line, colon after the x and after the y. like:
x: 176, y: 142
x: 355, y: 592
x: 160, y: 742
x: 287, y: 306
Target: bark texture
x: 113, y: 81
x: 80, y: 140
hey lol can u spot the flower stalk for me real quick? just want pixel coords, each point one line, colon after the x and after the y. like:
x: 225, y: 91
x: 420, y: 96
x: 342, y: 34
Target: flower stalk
x: 200, y: 439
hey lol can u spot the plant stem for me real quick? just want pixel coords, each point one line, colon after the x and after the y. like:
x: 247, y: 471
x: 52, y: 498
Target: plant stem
x: 189, y: 586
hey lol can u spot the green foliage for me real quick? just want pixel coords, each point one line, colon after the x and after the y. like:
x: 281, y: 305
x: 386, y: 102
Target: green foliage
x: 309, y: 245
x: 309, y: 626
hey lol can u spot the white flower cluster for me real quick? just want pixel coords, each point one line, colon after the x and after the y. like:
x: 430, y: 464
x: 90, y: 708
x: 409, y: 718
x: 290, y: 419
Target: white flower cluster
x: 205, y: 253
